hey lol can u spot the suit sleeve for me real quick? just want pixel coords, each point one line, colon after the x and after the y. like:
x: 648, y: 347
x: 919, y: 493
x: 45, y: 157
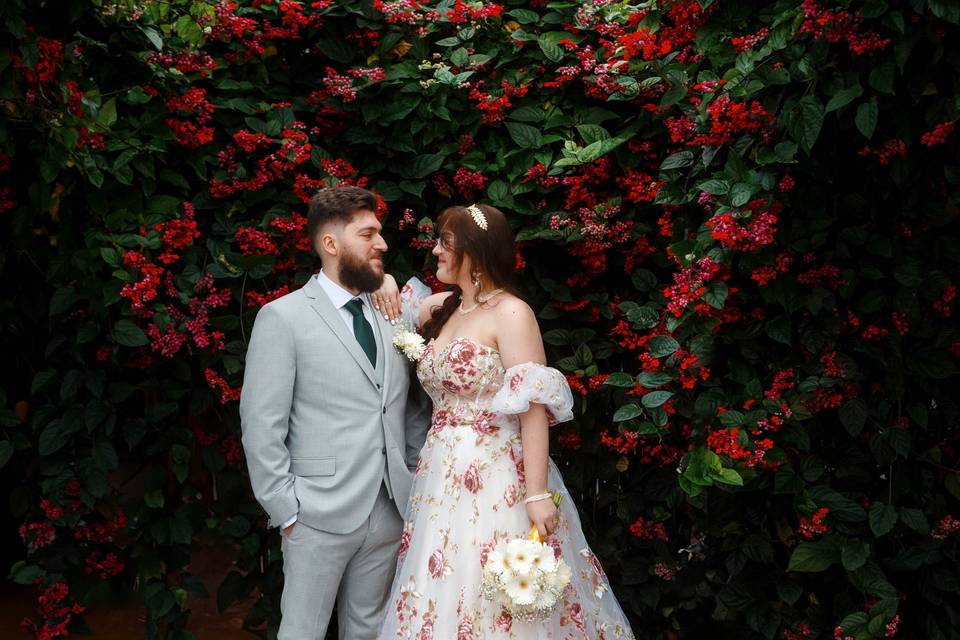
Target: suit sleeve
x: 417, y: 421
x: 265, y: 402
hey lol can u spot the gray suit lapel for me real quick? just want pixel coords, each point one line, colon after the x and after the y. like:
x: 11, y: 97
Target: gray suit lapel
x: 325, y: 309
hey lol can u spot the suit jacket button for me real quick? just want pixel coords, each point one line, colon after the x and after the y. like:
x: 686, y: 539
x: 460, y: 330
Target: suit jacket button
x: 384, y: 410
x: 383, y: 451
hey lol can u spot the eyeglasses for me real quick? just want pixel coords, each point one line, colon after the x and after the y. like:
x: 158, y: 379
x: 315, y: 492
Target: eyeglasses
x: 445, y: 243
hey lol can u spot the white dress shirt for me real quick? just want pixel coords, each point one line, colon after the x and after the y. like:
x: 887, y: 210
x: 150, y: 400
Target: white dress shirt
x: 339, y: 297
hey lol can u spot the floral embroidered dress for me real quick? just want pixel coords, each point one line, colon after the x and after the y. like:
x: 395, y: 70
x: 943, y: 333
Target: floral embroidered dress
x: 467, y: 495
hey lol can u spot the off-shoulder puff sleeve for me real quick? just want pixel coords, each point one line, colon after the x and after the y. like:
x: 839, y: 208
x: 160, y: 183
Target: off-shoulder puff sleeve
x: 411, y: 295
x: 532, y: 382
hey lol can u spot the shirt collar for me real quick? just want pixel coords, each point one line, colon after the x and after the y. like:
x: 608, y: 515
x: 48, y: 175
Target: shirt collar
x: 337, y: 294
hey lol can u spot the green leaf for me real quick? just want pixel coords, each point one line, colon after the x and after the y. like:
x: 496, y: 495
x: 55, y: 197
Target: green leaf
x: 866, y: 118
x: 652, y: 379
x: 716, y: 294
x: 126, y: 333
x: 661, y: 346
x: 53, y: 438
x: 154, y: 499
x: 525, y: 135
x: 6, y: 452
x: 655, y: 398
x: 153, y: 36
x: 627, y: 412
x: 677, y: 160
x: 551, y: 50
x: 915, y: 519
x: 853, y: 415
x: 805, y: 121
x: 844, y: 97
x: 620, y: 379
x: 107, y: 114
x: 730, y: 476
x: 948, y: 10
x: 527, y: 114
x: 882, y: 518
x: 854, y: 555
x: 881, y: 77
x: 714, y: 187
x: 814, y: 557
x: 422, y: 166
x: 592, y: 133
x: 779, y: 329
x: 524, y: 16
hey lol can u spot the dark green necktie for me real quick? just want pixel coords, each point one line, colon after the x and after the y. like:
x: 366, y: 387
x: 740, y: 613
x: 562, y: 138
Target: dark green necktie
x: 362, y: 330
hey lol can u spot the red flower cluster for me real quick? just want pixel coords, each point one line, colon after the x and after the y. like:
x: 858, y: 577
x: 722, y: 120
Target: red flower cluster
x: 890, y: 149
x: 469, y: 182
x: 638, y: 186
x: 49, y: 57
x: 405, y: 12
x: 742, y: 43
x: 184, y: 62
x: 648, y: 530
x: 757, y: 233
x: 945, y: 301
x: 55, y: 613
x: 624, y: 442
x: 108, y: 567
x: 688, y: 284
x: 227, y: 394
x: 177, y: 234
x: 947, y: 527
x: 463, y: 12
x: 729, y: 119
x: 939, y: 134
x: 192, y: 104
x: 782, y: 381
x: 255, y: 299
x: 728, y: 442
x: 294, y: 150
x: 813, y: 526
x: 492, y: 107
x: 835, y: 26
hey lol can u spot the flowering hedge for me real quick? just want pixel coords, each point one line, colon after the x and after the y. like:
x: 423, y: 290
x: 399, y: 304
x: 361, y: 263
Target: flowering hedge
x: 737, y: 224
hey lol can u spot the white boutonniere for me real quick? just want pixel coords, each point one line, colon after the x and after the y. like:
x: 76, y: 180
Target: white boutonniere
x: 408, y: 342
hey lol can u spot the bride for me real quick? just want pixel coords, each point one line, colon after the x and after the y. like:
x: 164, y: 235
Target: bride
x: 484, y: 474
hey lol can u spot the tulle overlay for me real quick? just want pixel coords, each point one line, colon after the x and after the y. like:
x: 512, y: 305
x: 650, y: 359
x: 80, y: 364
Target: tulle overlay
x: 468, y: 495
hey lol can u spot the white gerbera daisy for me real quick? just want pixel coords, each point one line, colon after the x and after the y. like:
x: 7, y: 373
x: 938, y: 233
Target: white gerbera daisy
x: 521, y: 553
x: 522, y: 590
x: 498, y: 562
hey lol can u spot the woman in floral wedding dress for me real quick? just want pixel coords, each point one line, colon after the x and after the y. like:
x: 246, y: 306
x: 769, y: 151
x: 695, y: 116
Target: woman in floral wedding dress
x: 486, y: 453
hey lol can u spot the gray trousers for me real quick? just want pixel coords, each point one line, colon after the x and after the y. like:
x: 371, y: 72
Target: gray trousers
x: 354, y: 569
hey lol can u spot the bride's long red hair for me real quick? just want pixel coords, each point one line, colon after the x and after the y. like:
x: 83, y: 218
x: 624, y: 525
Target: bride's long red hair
x: 492, y: 253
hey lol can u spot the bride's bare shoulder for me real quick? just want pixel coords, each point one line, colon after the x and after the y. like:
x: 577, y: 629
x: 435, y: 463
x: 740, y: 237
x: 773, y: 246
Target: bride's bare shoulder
x: 510, y: 308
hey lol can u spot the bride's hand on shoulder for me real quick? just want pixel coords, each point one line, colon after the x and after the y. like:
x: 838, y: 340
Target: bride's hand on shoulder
x: 386, y: 299
x: 544, y: 515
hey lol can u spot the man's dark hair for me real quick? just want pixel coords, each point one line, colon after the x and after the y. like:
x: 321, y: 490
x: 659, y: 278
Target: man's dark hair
x: 337, y: 204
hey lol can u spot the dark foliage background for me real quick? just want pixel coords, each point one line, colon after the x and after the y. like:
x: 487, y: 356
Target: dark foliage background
x: 738, y: 225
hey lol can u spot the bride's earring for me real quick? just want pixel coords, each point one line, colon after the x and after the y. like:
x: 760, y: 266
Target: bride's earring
x: 477, y: 282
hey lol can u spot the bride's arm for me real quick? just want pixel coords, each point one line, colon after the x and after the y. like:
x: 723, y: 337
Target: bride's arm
x: 519, y: 342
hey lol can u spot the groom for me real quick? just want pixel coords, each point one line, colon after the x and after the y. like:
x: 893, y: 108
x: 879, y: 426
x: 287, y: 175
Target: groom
x: 329, y: 435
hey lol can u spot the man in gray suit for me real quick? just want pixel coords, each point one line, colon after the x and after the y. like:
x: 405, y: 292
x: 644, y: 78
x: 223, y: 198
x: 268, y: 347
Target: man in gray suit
x: 329, y: 434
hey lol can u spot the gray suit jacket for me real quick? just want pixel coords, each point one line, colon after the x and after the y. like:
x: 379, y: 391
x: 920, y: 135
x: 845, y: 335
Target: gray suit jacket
x: 321, y: 426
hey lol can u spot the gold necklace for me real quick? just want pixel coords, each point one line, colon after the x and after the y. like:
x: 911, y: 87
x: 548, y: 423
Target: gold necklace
x: 480, y: 300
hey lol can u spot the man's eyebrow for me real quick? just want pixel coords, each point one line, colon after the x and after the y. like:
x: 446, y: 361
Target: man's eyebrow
x: 371, y: 227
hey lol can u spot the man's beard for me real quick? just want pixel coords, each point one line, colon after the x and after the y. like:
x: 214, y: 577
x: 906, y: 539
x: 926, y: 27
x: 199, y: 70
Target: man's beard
x: 355, y: 273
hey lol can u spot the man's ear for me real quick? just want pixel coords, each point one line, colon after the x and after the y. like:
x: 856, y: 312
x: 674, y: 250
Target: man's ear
x: 329, y: 243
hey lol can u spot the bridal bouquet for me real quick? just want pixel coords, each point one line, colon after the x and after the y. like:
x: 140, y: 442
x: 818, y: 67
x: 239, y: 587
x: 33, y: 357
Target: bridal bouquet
x: 525, y: 577
x: 408, y: 342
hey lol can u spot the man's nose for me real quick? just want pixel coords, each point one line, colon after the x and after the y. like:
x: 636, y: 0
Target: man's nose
x: 380, y: 244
